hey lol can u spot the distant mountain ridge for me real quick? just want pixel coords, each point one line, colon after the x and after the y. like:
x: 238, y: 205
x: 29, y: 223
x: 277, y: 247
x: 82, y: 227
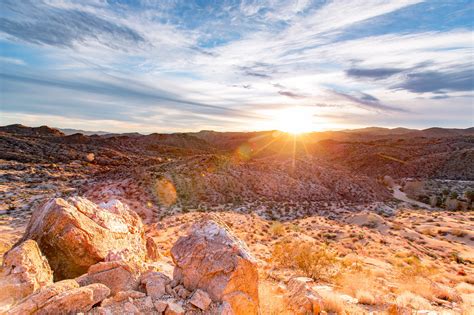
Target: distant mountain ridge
x: 239, y: 136
x: 399, y: 152
x: 69, y: 131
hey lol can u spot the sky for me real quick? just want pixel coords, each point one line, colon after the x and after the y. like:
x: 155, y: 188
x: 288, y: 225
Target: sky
x: 171, y: 66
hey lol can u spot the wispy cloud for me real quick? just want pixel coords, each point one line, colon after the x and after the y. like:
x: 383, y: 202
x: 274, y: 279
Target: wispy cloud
x: 41, y: 24
x: 368, y: 101
x: 220, y: 63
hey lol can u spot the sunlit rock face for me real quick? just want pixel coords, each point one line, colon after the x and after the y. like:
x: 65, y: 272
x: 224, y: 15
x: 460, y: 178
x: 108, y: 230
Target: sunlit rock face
x: 75, y: 233
x: 24, y: 270
x: 212, y: 259
x: 65, y: 297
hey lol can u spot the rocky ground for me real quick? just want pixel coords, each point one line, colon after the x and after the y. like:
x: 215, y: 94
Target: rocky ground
x: 314, y: 235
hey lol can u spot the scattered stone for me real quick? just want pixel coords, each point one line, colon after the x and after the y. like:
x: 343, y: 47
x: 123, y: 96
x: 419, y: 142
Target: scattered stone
x: 130, y: 308
x: 149, y: 302
x: 200, y: 299
x: 38, y: 299
x: 174, y: 308
x: 122, y: 296
x: 155, y: 284
x: 68, y: 300
x: 301, y: 298
x: 182, y: 292
x: 212, y: 259
x: 160, y: 306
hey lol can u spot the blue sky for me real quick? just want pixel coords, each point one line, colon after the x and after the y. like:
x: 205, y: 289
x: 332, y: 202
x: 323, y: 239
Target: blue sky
x: 164, y: 66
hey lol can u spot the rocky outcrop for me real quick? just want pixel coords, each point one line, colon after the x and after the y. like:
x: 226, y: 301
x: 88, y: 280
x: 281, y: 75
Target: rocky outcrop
x: 212, y: 259
x: 65, y: 297
x: 25, y: 270
x: 75, y: 233
x: 301, y: 299
x: 214, y: 273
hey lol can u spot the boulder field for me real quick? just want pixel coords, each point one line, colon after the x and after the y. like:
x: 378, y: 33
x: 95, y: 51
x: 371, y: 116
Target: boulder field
x: 80, y: 257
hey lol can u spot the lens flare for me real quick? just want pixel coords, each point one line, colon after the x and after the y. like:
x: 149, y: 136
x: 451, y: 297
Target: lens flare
x: 165, y: 192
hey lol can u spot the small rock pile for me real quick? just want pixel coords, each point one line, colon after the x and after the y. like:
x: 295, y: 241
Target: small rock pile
x: 103, y: 264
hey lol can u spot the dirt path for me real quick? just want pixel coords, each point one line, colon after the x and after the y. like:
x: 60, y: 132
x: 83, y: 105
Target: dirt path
x: 400, y: 195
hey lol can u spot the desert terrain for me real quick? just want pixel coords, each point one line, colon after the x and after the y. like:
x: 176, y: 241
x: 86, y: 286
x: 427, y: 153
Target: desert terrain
x: 366, y: 221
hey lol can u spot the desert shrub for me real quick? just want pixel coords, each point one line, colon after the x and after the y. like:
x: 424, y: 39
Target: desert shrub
x: 458, y: 232
x: 365, y: 297
x: 277, y: 228
x: 413, y: 267
x: 295, y: 228
x: 446, y: 293
x: 429, y: 231
x: 457, y: 258
x: 317, y: 262
x: 469, y: 195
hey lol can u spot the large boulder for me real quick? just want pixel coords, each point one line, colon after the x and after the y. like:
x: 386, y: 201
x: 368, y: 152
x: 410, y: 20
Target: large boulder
x: 24, y: 271
x: 212, y: 259
x: 75, y: 233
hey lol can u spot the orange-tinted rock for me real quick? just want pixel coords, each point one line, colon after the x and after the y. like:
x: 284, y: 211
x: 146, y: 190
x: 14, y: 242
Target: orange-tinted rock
x: 212, y: 259
x: 25, y: 270
x: 75, y: 233
x: 200, y: 299
x: 39, y: 299
x: 155, y: 284
x: 76, y: 300
x: 116, y: 275
x: 301, y: 299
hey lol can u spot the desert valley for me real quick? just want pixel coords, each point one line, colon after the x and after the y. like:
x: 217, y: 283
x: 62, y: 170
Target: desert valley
x: 237, y: 157
x: 372, y: 220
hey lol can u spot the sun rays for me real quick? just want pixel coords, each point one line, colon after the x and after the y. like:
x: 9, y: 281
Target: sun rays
x: 294, y: 120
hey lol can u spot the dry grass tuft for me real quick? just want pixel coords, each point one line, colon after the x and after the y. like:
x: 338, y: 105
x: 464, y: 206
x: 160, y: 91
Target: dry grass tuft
x: 411, y: 300
x: 332, y: 302
x: 361, y: 284
x: 446, y: 293
x: 458, y: 232
x: 365, y: 297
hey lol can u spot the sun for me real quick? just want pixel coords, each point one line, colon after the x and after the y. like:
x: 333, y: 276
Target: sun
x: 294, y: 120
